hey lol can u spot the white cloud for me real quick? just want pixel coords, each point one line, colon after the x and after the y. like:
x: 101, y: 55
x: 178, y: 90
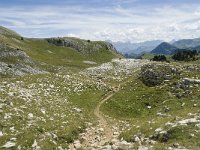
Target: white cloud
x: 105, y: 23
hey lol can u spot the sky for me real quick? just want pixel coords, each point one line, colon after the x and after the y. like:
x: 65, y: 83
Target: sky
x: 115, y: 20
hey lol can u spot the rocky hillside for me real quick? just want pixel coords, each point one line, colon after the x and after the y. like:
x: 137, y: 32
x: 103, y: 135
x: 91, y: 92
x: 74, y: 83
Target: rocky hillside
x: 45, y: 54
x: 7, y: 32
x: 83, y: 46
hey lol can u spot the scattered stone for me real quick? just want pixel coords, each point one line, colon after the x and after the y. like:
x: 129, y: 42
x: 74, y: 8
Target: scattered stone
x: 30, y: 116
x: 149, y: 107
x: 186, y: 121
x: 176, y: 145
x: 143, y: 148
x: 158, y: 130
x: 115, y: 133
x: 77, y: 110
x: 77, y: 144
x: 101, y: 130
x: 198, y: 126
x: 191, y: 81
x: 9, y: 144
x: 194, y: 105
x: 1, y: 133
x: 90, y: 62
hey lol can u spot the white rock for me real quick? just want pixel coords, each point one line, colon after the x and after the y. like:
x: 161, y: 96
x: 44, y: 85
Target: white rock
x: 77, y: 110
x: 149, y: 107
x: 101, y: 129
x: 30, y: 116
x: 51, y: 86
x: 158, y: 130
x: 137, y: 139
x: 114, y: 147
x: 10, y: 94
x: 198, y: 126
x: 34, y: 145
x: 1, y: 133
x: 124, y: 142
x: 193, y: 81
x: 191, y: 120
x: 13, y: 139
x: 89, y: 62
x: 19, y: 147
x: 12, y: 129
x: 54, y: 136
x: 9, y: 144
x: 195, y: 105
x: 116, y: 133
x: 60, y: 148
x: 183, y: 104
x: 77, y: 144
x: 114, y: 140
x: 43, y: 111
x: 142, y: 148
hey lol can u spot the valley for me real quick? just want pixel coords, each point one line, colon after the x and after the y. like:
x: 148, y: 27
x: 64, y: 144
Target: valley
x: 69, y: 93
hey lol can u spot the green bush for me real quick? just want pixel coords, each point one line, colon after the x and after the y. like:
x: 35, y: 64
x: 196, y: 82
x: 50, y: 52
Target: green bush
x: 159, y: 58
x: 185, y: 55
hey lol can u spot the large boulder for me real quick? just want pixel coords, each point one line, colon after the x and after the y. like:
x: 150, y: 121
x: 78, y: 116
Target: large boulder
x: 155, y: 74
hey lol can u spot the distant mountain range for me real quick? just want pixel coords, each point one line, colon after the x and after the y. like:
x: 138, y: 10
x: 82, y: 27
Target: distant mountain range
x: 137, y: 48
x: 168, y: 49
x: 156, y: 47
x: 187, y: 43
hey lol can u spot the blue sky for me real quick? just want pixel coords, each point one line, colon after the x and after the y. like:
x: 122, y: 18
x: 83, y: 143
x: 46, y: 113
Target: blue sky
x: 116, y: 20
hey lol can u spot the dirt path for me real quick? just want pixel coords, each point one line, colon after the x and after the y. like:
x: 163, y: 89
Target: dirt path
x: 107, y: 129
x: 99, y: 135
x: 102, y: 133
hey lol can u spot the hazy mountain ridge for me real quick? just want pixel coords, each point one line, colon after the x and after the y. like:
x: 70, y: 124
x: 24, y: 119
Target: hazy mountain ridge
x: 156, y: 46
x: 137, y: 48
x: 187, y: 43
x: 180, y: 45
x: 164, y: 48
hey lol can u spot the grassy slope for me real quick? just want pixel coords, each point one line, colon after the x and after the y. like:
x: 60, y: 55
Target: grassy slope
x: 57, y: 96
x: 41, y: 51
x: 93, y: 50
x: 130, y: 104
x: 57, y: 102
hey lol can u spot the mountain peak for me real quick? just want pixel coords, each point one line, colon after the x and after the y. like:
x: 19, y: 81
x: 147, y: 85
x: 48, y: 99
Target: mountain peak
x: 164, y: 48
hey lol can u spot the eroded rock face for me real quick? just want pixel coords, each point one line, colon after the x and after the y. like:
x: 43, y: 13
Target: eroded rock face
x: 188, y: 81
x: 18, y: 69
x: 16, y: 62
x: 16, y: 53
x: 155, y: 74
x: 82, y: 46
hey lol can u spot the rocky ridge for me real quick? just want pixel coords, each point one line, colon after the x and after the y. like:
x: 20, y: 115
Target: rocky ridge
x: 82, y: 46
x: 17, y: 62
